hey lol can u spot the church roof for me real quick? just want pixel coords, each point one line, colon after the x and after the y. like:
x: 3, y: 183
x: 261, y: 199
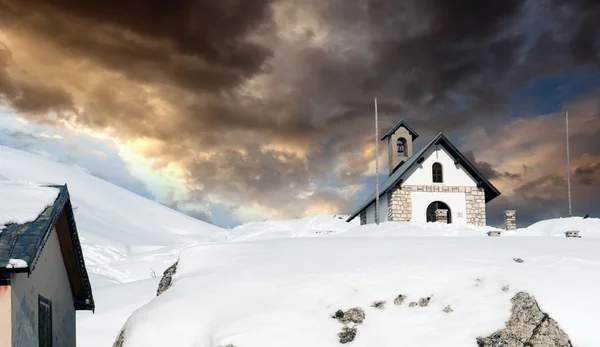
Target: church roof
x: 400, y: 174
x: 398, y: 125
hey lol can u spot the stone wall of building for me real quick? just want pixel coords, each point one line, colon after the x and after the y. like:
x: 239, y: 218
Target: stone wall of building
x: 475, y: 206
x: 363, y: 218
x: 400, y: 204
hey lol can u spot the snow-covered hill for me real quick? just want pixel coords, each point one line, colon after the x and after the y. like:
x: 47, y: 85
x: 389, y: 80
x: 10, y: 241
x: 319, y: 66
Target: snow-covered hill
x: 277, y: 283
x: 280, y: 282
x: 283, y: 292
x: 125, y: 238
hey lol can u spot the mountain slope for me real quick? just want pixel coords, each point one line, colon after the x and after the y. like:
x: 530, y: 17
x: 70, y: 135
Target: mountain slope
x: 127, y: 240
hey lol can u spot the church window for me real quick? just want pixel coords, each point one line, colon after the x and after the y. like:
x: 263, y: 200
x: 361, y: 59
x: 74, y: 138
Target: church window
x: 401, y: 146
x: 437, y: 173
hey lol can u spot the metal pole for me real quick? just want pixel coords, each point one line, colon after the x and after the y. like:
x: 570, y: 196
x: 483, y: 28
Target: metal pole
x: 568, y: 162
x: 376, y: 165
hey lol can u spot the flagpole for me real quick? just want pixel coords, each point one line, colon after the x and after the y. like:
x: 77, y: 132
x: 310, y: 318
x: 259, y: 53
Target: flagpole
x: 568, y: 162
x: 376, y: 165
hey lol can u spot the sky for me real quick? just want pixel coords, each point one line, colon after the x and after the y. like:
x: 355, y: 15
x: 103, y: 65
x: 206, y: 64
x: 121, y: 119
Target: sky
x: 238, y: 111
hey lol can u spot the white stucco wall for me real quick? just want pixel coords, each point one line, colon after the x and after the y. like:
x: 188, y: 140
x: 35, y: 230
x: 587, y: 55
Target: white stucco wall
x: 50, y: 280
x: 453, y: 175
x: 371, y: 214
x: 383, y: 210
x: 455, y: 201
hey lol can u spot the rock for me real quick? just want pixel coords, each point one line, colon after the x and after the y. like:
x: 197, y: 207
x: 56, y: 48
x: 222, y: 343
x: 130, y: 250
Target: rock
x: 505, y: 288
x: 347, y: 335
x: 354, y: 315
x: 424, y: 301
x: 379, y: 304
x: 448, y: 309
x: 400, y: 299
x: 518, y: 260
x: 165, y: 281
x: 120, y: 339
x: 412, y: 304
x: 527, y: 326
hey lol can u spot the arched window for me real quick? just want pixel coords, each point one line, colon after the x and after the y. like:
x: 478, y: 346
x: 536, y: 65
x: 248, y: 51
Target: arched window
x: 437, y: 205
x: 436, y: 171
x: 401, y: 146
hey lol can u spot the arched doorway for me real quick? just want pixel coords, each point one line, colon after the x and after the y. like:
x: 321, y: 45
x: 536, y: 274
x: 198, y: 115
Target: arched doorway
x: 437, y: 205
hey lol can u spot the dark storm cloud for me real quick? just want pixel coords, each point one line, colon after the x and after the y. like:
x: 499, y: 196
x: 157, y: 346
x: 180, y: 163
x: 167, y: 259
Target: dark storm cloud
x: 233, y: 82
x: 199, y: 44
x: 588, y: 174
x: 488, y: 170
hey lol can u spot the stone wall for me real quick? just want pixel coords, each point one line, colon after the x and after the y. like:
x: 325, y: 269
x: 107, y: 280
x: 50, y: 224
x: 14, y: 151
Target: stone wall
x: 475, y: 206
x: 400, y: 204
x: 510, y: 220
x: 363, y: 218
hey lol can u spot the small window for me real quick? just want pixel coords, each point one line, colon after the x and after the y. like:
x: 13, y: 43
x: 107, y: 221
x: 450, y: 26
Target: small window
x: 401, y: 146
x: 44, y: 321
x: 437, y: 173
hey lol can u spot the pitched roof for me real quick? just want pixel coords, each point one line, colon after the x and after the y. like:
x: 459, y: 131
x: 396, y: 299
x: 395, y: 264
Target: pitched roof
x: 26, y: 241
x: 398, y: 125
x: 398, y: 176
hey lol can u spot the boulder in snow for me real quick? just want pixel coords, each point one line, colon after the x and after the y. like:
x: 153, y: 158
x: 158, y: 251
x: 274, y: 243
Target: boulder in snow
x: 354, y: 315
x: 347, y: 335
x: 527, y: 326
x: 120, y: 339
x: 378, y: 304
x: 165, y: 282
x: 400, y: 299
x: 424, y: 301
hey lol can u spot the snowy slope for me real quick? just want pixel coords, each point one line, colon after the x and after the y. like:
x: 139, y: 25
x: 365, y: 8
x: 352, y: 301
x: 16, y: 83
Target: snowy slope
x: 313, y: 226
x: 125, y: 238
x: 282, y: 292
x: 114, y: 224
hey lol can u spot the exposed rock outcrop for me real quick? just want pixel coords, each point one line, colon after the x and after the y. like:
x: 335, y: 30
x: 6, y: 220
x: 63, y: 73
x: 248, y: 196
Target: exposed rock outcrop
x: 165, y: 282
x: 527, y: 326
x: 354, y: 315
x: 120, y: 339
x: 400, y: 299
x: 378, y: 304
x: 424, y: 301
x: 347, y: 335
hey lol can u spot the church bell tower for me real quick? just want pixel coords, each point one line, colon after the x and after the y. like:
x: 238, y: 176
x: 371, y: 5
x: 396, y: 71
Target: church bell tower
x: 400, y: 144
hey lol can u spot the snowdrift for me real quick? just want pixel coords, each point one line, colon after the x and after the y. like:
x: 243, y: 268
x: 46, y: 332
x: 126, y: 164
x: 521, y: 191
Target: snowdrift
x: 283, y: 292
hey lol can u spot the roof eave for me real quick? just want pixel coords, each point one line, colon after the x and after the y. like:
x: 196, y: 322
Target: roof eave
x: 15, y: 270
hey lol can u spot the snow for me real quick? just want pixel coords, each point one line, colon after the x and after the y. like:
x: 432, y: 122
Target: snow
x: 125, y: 238
x: 282, y: 292
x: 23, y: 202
x: 276, y: 283
x: 313, y: 226
x: 16, y: 264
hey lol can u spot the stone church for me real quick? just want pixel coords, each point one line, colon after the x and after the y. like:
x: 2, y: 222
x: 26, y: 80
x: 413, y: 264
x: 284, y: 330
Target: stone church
x: 436, y: 183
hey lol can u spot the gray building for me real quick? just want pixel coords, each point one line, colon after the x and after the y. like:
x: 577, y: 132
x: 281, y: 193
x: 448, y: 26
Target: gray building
x: 38, y: 300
